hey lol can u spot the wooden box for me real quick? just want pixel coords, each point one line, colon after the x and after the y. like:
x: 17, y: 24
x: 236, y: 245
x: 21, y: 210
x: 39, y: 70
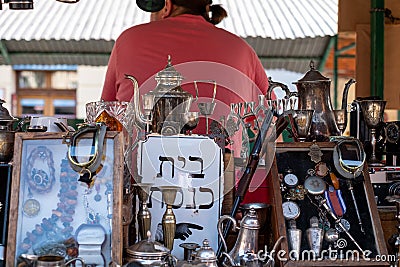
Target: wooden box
x: 296, y: 157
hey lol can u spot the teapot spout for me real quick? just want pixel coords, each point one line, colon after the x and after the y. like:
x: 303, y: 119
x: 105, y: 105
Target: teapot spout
x: 346, y: 92
x: 140, y: 121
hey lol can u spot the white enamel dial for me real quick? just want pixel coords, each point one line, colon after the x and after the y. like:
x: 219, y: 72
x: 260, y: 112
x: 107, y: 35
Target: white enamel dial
x: 290, y: 180
x: 291, y: 210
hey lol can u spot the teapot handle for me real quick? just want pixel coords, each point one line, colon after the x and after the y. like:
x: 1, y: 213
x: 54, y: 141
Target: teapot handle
x: 283, y: 86
x: 220, y: 221
x: 205, y: 81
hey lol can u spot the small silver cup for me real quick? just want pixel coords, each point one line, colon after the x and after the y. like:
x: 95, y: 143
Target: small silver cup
x: 303, y: 119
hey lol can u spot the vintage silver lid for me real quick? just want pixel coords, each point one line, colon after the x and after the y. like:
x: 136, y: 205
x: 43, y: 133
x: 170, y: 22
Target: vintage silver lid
x: 147, y: 248
x: 250, y: 220
x: 169, y: 73
x: 206, y: 253
x: 313, y: 75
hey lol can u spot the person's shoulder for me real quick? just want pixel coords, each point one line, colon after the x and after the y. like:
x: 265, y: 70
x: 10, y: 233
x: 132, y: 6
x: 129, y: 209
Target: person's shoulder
x: 231, y: 38
x: 139, y: 29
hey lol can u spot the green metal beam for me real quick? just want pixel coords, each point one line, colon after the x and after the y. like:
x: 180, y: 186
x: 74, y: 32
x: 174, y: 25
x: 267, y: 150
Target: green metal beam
x: 86, y: 53
x: 288, y: 58
x: 345, y: 48
x: 327, y: 51
x: 4, y: 53
x: 335, y: 73
x: 346, y: 56
x: 377, y: 47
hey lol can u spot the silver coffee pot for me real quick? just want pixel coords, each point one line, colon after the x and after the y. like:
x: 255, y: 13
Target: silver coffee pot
x: 313, y: 93
x: 247, y: 240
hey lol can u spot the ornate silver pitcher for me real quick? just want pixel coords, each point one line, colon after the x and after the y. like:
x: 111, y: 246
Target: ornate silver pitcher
x: 247, y: 241
x: 314, y: 94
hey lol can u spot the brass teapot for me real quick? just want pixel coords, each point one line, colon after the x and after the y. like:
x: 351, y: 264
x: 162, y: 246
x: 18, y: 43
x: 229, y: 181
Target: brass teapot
x: 165, y: 106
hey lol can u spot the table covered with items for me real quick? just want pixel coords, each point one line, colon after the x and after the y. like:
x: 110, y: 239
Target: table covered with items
x: 136, y: 185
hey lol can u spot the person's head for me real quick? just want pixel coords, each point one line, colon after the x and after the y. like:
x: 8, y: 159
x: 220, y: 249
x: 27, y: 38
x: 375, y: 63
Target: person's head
x: 204, y: 8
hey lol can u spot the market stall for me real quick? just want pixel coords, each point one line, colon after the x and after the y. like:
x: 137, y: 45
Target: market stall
x: 135, y: 185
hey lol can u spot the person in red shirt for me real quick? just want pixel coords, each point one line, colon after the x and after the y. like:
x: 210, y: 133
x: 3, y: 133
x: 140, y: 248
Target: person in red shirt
x: 199, y: 51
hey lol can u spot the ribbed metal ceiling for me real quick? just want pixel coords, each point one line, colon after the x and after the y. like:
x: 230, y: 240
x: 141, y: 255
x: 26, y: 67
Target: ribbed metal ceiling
x: 285, y: 34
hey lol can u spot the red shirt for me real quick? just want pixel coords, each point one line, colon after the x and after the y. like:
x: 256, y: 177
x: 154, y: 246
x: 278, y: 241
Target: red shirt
x: 199, y: 51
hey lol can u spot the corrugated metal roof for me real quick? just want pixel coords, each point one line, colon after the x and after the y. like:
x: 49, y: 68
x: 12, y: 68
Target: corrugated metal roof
x: 84, y: 33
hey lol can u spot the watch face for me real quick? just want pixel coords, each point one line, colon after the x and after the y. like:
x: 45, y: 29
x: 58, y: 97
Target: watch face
x: 392, y: 133
x: 290, y: 210
x: 290, y: 180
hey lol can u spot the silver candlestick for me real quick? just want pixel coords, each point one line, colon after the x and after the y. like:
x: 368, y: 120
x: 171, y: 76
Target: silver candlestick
x: 144, y: 215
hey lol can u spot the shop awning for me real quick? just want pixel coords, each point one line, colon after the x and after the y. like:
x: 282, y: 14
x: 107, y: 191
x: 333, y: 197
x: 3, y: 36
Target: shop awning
x: 285, y: 34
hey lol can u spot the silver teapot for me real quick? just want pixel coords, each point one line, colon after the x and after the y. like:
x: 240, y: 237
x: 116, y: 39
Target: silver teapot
x: 164, y: 106
x: 148, y: 253
x: 247, y: 240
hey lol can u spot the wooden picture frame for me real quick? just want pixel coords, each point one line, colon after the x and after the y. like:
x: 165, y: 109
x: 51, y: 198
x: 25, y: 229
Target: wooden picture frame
x: 51, y: 212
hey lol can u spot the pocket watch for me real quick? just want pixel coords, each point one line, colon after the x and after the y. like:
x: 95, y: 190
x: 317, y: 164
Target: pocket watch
x: 291, y: 210
x: 290, y: 180
x: 314, y: 184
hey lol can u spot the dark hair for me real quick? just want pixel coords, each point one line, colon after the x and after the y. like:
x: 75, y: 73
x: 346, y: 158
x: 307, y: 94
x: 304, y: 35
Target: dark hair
x: 202, y: 7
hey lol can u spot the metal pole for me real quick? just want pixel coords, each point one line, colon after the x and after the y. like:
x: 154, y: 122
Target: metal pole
x: 335, y: 73
x: 377, y: 47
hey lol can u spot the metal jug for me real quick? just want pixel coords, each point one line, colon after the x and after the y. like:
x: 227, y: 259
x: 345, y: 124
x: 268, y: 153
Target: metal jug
x: 314, y: 94
x: 247, y: 240
x: 163, y: 106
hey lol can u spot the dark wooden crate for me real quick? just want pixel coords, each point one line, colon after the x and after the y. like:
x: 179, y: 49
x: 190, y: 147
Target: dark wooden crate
x: 298, y: 155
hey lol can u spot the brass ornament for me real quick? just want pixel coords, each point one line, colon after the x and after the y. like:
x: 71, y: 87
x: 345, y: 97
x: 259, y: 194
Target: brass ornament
x: 315, y: 153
